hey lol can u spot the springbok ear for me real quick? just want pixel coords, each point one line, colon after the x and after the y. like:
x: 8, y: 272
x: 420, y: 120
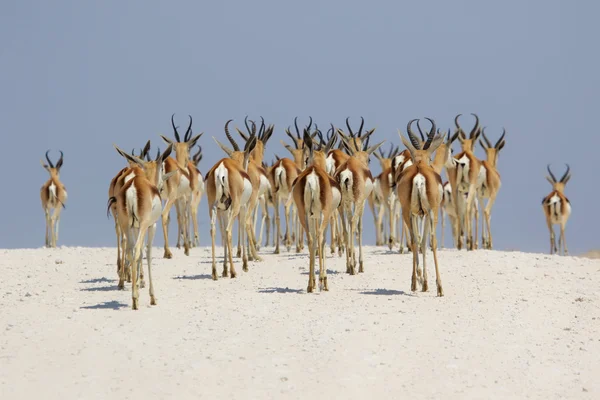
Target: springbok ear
x: 435, y: 143
x: 550, y: 180
x: 166, y: 153
x: 371, y: 149
x: 166, y: 176
x: 349, y: 148
x: 501, y: 145
x: 44, y: 165
x: 129, y: 157
x: 226, y: 149
x: 566, y: 179
x: 166, y: 139
x: 408, y: 145
x: 192, y: 142
x: 250, y: 145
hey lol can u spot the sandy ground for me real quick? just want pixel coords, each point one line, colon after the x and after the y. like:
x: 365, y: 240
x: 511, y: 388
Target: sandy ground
x: 511, y: 325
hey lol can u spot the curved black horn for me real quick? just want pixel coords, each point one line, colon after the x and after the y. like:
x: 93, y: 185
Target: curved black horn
x: 261, y: 131
x: 458, y: 128
x: 566, y: 173
x: 431, y: 133
x: 233, y: 143
x: 247, y: 127
x: 145, y: 150
x: 361, y: 126
x: 297, y: 130
x: 487, y: 141
x: 349, y: 129
x: 501, y: 138
x: 294, y: 140
x: 476, y: 127
x: 48, y: 159
x: 60, y: 160
x: 188, y: 133
x: 551, y: 174
x: 309, y: 124
x: 253, y: 128
x: 420, y: 131
x: 411, y: 135
x: 175, y: 129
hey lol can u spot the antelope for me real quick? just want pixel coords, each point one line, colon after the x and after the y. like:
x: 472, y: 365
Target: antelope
x: 180, y: 185
x: 316, y: 195
x: 54, y: 196
x: 399, y: 163
x: 557, y: 210
x: 383, y: 192
x: 490, y: 185
x: 116, y: 183
x: 228, y: 189
x: 420, y: 191
x: 356, y: 182
x: 197, y: 195
x: 257, y: 170
x: 139, y: 206
x: 283, y: 173
x: 469, y: 178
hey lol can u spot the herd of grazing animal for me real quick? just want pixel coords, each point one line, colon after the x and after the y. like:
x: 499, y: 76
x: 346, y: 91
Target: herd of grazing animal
x: 325, y: 184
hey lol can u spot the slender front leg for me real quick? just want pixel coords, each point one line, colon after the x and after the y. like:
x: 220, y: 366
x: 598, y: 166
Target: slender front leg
x: 358, y: 214
x: 427, y: 222
x: 222, y: 225
x: 244, y: 234
x: 165, y: 223
x: 137, y: 254
x: 277, y: 235
x: 311, y: 252
x: 230, y: 219
x: 288, y: 228
x: 151, y: 232
x: 438, y: 278
x: 241, y: 225
x: 213, y: 227
x: 322, y: 269
x: 563, y: 239
x: 47, y: 216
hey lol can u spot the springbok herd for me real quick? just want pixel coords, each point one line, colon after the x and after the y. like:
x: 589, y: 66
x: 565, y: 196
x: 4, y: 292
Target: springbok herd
x: 321, y: 186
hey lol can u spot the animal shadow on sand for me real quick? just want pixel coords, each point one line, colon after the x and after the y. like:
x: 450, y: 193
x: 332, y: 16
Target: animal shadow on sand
x: 100, y: 288
x: 99, y: 280
x: 329, y: 272
x: 107, y: 305
x: 192, y: 277
x: 279, y: 290
x: 386, y: 292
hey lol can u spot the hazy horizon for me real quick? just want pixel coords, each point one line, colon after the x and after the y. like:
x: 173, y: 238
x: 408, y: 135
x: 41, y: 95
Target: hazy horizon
x: 79, y: 77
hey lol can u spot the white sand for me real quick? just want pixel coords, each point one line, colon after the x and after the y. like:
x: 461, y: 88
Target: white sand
x: 511, y: 325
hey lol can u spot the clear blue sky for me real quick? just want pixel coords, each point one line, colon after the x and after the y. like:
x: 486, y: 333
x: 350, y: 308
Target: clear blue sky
x: 79, y: 76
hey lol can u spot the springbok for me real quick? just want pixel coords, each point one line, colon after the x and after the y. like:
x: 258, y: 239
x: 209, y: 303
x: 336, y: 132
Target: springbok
x: 557, y: 210
x: 316, y: 195
x: 180, y: 185
x: 490, y: 185
x: 384, y: 193
x: 255, y: 173
x: 197, y: 195
x: 54, y: 197
x: 283, y: 173
x: 139, y: 206
x: 356, y: 183
x: 469, y: 178
x: 420, y: 193
x: 259, y: 176
x: 115, y: 186
x: 228, y: 189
